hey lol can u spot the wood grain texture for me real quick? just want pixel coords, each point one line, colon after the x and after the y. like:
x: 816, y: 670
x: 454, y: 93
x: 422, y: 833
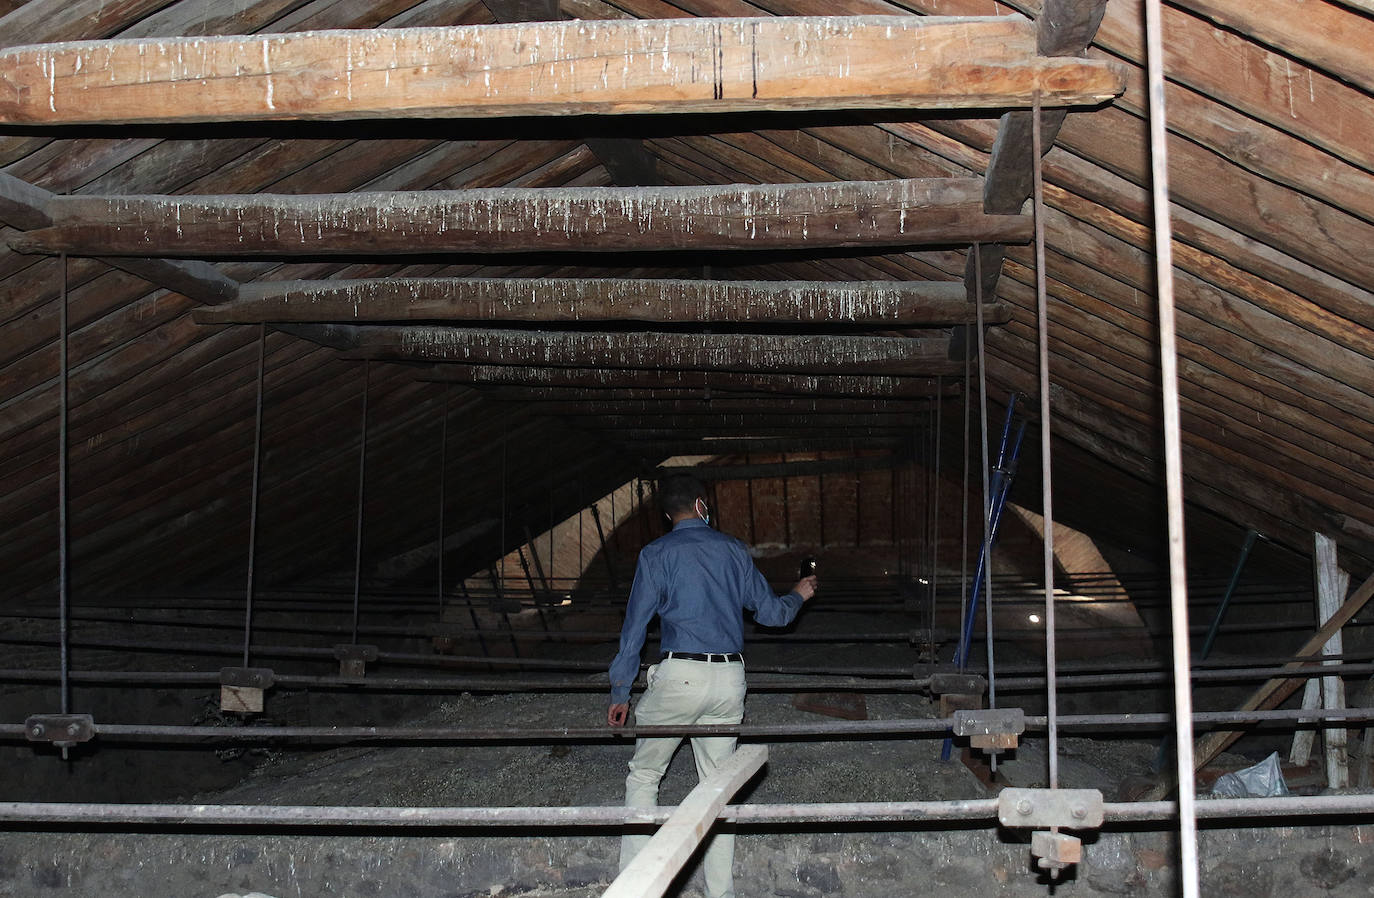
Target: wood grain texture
x: 549, y: 68
x: 601, y: 299
x: 700, y: 382
x: 512, y: 219
x: 725, y: 352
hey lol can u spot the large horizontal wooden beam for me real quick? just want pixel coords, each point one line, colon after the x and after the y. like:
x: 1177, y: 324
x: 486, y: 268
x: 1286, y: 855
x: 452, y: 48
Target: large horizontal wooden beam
x: 907, y: 303
x: 541, y: 381
x: 907, y: 212
x: 548, y: 68
x: 702, y: 352
x: 724, y: 404
x: 852, y: 464
x: 538, y: 397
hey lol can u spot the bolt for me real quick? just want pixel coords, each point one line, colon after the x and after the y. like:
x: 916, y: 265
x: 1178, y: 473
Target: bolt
x: 1079, y: 812
x: 1023, y: 807
x: 73, y: 729
x: 37, y: 729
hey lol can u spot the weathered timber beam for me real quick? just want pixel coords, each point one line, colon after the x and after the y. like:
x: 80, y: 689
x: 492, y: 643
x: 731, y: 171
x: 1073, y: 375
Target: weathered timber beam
x: 1064, y: 28
x: 538, y: 397
x: 783, y: 469
x: 905, y: 212
x: 701, y: 382
x: 649, y: 447
x: 726, y: 352
x: 549, y: 68
x: 937, y: 303
x: 727, y: 404
x: 24, y: 205
x: 750, y: 422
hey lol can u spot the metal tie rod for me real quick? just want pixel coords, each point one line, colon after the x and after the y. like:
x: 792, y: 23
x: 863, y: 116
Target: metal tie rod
x: 838, y: 730
x: 877, y: 812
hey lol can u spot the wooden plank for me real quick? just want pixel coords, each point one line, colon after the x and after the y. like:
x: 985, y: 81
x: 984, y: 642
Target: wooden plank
x: 726, y: 352
x: 1332, y: 584
x: 549, y: 68
x: 703, y: 382
x: 601, y: 299
x: 658, y: 863
x: 1274, y: 692
x: 536, y: 397
x: 577, y: 219
x: 764, y: 407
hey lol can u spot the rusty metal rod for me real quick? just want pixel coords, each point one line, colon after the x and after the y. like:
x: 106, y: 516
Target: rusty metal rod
x: 895, y: 680
x: 253, y: 501
x: 309, y: 816
x: 1173, y: 451
x: 855, y: 729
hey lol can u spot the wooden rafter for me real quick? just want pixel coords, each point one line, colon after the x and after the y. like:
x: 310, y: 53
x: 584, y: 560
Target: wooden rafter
x: 738, y: 216
x: 538, y: 380
x: 1064, y: 28
x: 561, y: 68
x: 600, y: 299
x: 710, y: 352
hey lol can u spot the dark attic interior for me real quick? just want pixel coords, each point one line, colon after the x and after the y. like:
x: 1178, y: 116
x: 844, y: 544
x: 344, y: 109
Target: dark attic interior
x: 346, y: 344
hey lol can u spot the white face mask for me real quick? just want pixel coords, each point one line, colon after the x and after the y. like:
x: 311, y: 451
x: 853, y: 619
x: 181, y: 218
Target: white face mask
x: 703, y: 512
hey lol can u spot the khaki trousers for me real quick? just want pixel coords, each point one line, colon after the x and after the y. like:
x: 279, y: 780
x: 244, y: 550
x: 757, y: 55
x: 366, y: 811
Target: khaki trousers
x: 685, y: 692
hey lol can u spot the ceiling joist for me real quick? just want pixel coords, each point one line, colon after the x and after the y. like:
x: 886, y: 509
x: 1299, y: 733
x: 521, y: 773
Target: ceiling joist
x: 906, y: 212
x: 549, y: 68
x: 928, y: 303
x: 545, y: 382
x: 708, y: 352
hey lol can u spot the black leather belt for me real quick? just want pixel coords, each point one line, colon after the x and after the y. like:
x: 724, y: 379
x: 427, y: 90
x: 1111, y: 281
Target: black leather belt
x: 706, y: 656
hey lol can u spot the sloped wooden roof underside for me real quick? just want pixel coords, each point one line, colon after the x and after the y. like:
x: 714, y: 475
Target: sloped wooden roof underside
x: 1273, y: 188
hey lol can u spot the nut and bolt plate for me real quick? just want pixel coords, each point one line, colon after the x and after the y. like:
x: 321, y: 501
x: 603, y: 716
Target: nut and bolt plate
x: 1047, y: 808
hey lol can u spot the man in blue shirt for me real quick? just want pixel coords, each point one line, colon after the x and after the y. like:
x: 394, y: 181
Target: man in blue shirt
x: 699, y: 582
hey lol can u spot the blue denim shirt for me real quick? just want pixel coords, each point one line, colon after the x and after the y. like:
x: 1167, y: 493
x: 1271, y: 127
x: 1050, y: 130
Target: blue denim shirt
x: 698, y: 581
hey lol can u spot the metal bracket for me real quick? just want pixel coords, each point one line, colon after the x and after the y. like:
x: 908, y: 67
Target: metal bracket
x: 957, y: 684
x: 241, y: 688
x: 62, y: 730
x: 994, y: 730
x: 353, y: 658
x: 1050, y: 808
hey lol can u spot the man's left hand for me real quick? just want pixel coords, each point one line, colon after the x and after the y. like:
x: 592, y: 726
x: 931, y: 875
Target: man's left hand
x: 617, y: 714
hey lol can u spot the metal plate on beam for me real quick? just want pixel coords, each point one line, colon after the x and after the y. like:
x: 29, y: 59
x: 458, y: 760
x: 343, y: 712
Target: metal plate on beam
x: 1046, y: 808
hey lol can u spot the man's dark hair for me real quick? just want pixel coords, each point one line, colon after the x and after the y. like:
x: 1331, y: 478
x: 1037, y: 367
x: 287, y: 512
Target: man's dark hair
x: 678, y: 493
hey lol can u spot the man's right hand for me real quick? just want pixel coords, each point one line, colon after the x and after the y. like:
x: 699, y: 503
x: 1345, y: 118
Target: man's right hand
x: 806, y: 587
x: 617, y: 714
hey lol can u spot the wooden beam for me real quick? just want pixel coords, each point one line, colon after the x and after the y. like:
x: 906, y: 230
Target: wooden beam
x: 501, y: 220
x: 683, y: 444
x: 658, y: 863
x: 765, y: 407
x: 538, y: 397
x: 784, y: 469
x: 1274, y: 692
x: 932, y: 303
x: 549, y: 68
x: 543, y: 379
x: 1063, y: 28
x: 704, y: 352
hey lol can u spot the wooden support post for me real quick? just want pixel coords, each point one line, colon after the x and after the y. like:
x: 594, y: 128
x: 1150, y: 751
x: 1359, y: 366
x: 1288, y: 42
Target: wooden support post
x: 708, y: 352
x: 907, y: 212
x: 889, y: 303
x: 550, y: 68
x: 658, y: 863
x: 1274, y: 692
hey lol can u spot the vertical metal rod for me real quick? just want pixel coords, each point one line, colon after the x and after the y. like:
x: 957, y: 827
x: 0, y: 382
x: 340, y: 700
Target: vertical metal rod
x: 935, y: 513
x: 963, y: 490
x: 1173, y: 454
x: 987, y: 474
x: 362, y: 480
x: 443, y: 496
x: 501, y: 550
x: 749, y: 501
x: 1046, y: 488
x: 253, y: 500
x: 63, y: 581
